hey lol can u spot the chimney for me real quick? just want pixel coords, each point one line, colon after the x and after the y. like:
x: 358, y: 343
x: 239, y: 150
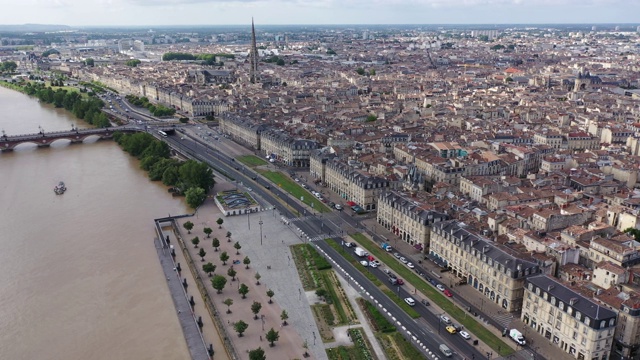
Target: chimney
x: 550, y: 287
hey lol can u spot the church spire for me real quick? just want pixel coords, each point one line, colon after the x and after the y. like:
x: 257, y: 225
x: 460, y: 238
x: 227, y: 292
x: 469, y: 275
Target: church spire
x: 253, y: 55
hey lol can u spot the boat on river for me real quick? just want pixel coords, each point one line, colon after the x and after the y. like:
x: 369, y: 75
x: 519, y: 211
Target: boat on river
x: 60, y: 188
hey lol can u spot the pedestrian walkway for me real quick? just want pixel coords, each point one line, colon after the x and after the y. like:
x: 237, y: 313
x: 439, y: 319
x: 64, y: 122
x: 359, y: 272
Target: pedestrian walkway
x: 188, y: 322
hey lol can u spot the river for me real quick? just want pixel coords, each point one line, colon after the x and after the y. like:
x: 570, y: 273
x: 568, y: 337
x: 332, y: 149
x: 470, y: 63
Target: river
x: 79, y: 275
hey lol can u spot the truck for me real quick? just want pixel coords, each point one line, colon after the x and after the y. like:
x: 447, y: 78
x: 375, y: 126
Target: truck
x: 516, y: 336
x: 360, y: 252
x: 386, y: 247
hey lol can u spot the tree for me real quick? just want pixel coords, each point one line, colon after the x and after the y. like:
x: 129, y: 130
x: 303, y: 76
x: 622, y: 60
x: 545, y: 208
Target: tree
x: 257, y: 354
x: 633, y: 232
x: 238, y: 247
x: 372, y: 72
x: 243, y: 290
x: 371, y: 118
x: 228, y: 233
x: 216, y: 244
x: 231, y: 272
x: 195, y: 241
x: 255, y: 309
x: 188, y: 226
x: 246, y: 261
x: 270, y: 294
x: 280, y: 62
x: 272, y: 337
x: 195, y: 196
x: 228, y: 302
x: 202, y: 253
x: 89, y: 62
x: 220, y: 222
x: 208, y: 231
x: 224, y: 257
x: 321, y: 293
x: 258, y: 276
x: 240, y: 327
x: 209, y: 268
x: 218, y: 282
x: 133, y: 62
x: 360, y: 71
x: 284, y: 316
x: 196, y: 174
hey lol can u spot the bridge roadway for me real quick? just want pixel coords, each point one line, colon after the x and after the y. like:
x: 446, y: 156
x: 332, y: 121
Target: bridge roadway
x: 43, y: 139
x: 424, y: 329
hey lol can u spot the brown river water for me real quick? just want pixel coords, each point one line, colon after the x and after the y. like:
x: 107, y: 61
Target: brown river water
x: 79, y: 274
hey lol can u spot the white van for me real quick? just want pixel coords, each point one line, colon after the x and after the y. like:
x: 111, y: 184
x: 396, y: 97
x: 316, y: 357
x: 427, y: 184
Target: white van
x: 445, y: 350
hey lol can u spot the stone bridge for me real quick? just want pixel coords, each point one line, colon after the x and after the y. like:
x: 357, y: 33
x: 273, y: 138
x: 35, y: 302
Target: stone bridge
x: 42, y: 139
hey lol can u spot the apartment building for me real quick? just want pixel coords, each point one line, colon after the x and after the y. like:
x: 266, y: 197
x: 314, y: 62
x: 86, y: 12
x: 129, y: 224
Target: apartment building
x: 286, y: 149
x: 495, y: 271
x: 408, y: 218
x: 348, y: 180
x: 569, y: 320
x: 243, y: 130
x: 626, y: 339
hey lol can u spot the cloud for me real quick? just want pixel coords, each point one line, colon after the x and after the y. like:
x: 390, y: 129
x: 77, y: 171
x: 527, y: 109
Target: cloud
x: 348, y: 3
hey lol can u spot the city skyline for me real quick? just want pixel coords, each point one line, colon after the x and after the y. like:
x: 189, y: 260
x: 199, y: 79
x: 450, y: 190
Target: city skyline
x: 324, y: 12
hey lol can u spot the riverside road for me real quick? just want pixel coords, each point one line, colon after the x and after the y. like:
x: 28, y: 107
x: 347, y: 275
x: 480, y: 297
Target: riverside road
x: 318, y: 227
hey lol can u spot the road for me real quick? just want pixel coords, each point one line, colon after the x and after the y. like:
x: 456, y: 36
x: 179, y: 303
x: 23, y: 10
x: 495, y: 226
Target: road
x: 425, y: 329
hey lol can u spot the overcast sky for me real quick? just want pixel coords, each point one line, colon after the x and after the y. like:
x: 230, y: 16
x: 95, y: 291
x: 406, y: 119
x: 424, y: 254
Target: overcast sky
x: 231, y: 12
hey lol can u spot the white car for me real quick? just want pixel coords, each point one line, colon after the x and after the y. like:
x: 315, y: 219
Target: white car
x: 440, y: 287
x: 403, y: 260
x: 410, y: 301
x: 364, y: 263
x: 376, y: 262
x: 410, y: 265
x: 373, y: 264
x: 338, y: 207
x: 465, y: 335
x: 445, y: 319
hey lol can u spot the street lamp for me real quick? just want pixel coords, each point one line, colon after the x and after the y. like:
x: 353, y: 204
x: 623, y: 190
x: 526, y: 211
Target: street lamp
x: 260, y: 223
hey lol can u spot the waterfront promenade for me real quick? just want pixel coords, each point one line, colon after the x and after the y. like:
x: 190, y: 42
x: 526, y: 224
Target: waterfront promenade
x: 188, y: 322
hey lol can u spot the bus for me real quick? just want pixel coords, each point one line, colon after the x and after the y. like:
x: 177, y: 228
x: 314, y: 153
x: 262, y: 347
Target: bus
x: 162, y: 133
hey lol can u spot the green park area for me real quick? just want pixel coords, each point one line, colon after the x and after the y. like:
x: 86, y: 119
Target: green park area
x: 469, y: 322
x: 251, y: 160
x: 289, y: 185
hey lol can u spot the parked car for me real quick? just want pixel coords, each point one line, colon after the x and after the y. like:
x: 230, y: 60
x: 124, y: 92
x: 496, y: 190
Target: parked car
x: 397, y: 255
x: 465, y: 335
x: 440, y: 287
x: 364, y: 263
x: 448, y: 293
x: 411, y: 266
x: 403, y: 260
x: 451, y: 329
x: 353, y: 244
x: 338, y: 207
x: 400, y: 282
x: 445, y: 319
x: 425, y: 302
x: 373, y: 264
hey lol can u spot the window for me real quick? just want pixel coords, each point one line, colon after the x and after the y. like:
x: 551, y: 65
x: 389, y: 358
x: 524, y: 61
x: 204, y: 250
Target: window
x: 575, y: 335
x: 561, y: 305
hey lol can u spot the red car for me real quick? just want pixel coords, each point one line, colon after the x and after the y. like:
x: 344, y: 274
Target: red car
x: 400, y: 282
x: 448, y: 293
